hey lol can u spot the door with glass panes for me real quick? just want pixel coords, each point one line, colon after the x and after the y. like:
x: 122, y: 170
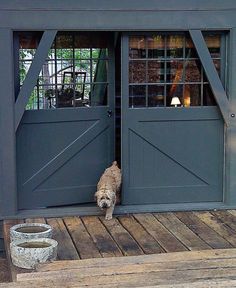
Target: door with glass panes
x: 173, y: 143
x: 66, y: 137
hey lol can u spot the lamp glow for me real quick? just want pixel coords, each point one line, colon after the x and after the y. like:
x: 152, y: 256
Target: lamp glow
x: 175, y: 101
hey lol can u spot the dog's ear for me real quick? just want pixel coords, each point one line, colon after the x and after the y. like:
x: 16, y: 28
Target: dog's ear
x: 96, y: 196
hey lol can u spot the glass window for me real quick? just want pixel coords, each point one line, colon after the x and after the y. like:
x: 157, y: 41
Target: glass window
x: 166, y: 65
x: 75, y: 73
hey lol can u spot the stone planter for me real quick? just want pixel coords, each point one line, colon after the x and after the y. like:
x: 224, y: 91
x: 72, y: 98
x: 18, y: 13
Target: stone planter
x: 30, y: 231
x: 28, y: 253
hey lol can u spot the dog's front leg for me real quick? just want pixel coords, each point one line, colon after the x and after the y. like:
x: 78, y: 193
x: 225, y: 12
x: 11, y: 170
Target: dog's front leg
x: 109, y: 212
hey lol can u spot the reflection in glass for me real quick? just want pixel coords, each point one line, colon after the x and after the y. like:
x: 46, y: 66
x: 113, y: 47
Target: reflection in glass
x: 156, y: 46
x: 192, y: 71
x: 192, y: 95
x: 155, y: 95
x: 156, y: 71
x: 208, y: 97
x: 76, y: 69
x: 137, y: 71
x: 137, y: 47
x: 174, y: 46
x: 137, y: 96
x: 99, y: 94
x: 213, y: 44
x: 190, y: 50
x: 174, y: 71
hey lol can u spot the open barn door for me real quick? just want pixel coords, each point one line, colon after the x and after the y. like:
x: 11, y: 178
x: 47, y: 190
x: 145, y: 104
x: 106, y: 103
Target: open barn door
x: 173, y: 118
x: 65, y: 137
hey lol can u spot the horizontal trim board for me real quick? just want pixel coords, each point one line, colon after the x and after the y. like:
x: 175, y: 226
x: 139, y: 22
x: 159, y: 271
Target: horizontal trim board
x: 64, y: 115
x: 116, y: 5
x: 117, y: 20
x: 119, y: 210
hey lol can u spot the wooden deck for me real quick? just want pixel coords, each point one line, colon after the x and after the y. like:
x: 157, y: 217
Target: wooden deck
x: 90, y: 243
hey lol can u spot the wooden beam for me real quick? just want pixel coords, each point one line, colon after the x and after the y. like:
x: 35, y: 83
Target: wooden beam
x: 211, y: 73
x: 32, y: 76
x: 8, y: 202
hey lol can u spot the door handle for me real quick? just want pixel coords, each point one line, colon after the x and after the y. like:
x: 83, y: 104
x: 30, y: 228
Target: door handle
x: 109, y: 113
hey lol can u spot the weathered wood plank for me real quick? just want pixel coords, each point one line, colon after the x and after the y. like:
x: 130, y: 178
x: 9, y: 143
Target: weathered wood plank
x: 165, y: 266
x: 153, y: 258
x: 221, y: 228
x: 181, y: 231
x: 167, y: 241
x: 7, y: 224
x: 127, y: 244
x: 226, y: 217
x: 151, y: 278
x: 148, y: 244
x: 213, y: 239
x: 4, y: 271
x: 82, y: 240
x: 101, y: 237
x: 221, y: 283
x: 201, y: 284
x: 35, y: 220
x: 66, y: 249
x: 52, y: 284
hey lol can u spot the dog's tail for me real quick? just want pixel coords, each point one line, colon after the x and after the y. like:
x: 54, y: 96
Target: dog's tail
x: 114, y: 163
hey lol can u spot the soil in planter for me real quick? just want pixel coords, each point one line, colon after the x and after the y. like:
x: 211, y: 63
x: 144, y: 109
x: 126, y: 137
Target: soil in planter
x: 31, y: 229
x: 34, y: 245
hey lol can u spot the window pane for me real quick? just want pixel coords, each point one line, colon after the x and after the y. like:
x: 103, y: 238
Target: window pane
x: 213, y: 43
x: 137, y: 47
x: 75, y: 62
x: 218, y: 68
x: 137, y: 71
x: 190, y: 50
x: 174, y: 90
x: 28, y: 43
x: 99, y: 73
x: 155, y: 95
x: 137, y: 96
x: 99, y: 94
x: 208, y: 97
x: 192, y: 71
x: 174, y: 71
x: 174, y: 46
x: 156, y: 71
x: 156, y: 46
x: 192, y: 95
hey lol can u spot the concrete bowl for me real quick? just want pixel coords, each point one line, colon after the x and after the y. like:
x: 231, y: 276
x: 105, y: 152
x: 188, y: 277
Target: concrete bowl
x: 30, y: 231
x: 27, y: 253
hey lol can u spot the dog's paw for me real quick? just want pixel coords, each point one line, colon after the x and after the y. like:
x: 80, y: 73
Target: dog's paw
x: 108, y: 217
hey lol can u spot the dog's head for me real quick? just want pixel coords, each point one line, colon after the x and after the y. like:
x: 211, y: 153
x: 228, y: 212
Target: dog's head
x: 105, y: 198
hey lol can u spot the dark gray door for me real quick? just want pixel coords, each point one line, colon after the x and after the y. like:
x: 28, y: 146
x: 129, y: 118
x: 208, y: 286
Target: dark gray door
x: 61, y: 155
x: 171, y: 154
x: 64, y: 147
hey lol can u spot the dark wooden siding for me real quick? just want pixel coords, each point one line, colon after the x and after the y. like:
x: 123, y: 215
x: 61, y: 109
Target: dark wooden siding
x: 2, y: 254
x: 117, y: 15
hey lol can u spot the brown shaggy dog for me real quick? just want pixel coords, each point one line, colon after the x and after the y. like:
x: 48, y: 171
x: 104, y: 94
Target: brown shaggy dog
x: 107, y: 189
